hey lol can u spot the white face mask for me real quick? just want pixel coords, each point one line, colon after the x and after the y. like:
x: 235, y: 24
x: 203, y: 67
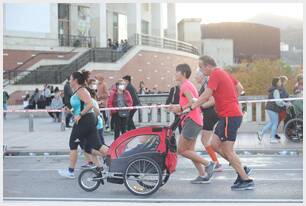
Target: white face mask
x: 94, y: 87
x: 121, y: 87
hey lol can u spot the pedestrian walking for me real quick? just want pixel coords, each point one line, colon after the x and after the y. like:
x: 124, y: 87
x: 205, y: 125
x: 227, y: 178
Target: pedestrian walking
x: 273, y: 109
x: 225, y: 90
x: 192, y: 125
x: 120, y: 97
x: 210, y: 119
x: 283, y: 94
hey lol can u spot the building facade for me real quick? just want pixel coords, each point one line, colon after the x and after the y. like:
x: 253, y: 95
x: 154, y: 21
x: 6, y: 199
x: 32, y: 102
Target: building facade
x: 52, y: 25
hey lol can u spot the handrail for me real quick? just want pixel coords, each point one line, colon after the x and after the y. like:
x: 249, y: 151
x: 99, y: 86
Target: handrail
x: 167, y: 43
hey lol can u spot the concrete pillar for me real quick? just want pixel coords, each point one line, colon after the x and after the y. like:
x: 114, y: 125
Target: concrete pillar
x: 103, y: 25
x: 171, y: 19
x: 133, y: 21
x: 156, y: 20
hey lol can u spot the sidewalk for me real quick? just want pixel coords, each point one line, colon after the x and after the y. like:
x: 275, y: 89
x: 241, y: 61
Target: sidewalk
x: 47, y: 138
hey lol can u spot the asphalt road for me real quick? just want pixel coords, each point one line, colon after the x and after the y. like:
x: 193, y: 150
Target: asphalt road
x: 277, y: 178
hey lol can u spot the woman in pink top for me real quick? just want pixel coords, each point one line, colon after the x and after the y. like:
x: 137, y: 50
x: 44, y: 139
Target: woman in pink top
x: 191, y: 125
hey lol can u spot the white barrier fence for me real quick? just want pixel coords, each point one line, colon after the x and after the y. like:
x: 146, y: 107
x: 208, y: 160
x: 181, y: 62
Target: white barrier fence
x: 254, y: 111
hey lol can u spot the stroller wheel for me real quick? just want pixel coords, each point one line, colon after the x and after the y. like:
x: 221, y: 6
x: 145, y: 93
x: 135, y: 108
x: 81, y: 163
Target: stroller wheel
x: 143, y: 176
x: 294, y: 130
x: 88, y: 180
x: 166, y: 177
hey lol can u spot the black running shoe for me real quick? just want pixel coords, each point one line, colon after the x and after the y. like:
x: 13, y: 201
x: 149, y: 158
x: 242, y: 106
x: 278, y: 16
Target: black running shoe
x: 247, y: 170
x: 277, y: 136
x: 244, y: 185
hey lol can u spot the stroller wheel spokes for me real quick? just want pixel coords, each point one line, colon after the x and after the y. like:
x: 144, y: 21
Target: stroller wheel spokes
x: 89, y: 180
x: 143, y: 176
x: 294, y: 130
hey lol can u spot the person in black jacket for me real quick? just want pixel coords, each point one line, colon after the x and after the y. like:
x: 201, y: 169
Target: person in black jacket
x: 135, y: 99
x: 174, y: 98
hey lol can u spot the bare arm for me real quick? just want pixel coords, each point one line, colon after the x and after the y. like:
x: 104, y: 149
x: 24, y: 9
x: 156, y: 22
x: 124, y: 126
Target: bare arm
x: 209, y: 103
x: 177, y: 109
x: 239, y: 88
x: 203, y: 98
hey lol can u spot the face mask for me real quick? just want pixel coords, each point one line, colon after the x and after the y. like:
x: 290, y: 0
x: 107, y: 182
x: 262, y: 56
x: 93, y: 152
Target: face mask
x: 121, y: 87
x: 94, y: 87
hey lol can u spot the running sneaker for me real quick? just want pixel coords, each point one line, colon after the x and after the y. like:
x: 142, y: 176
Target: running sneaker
x: 273, y: 140
x: 244, y: 185
x: 247, y: 170
x: 88, y: 165
x: 201, y: 180
x: 259, y: 137
x: 218, y: 168
x: 66, y: 173
x: 277, y: 136
x: 209, y: 169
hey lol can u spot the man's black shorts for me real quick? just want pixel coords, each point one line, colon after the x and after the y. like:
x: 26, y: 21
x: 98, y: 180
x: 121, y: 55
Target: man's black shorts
x: 227, y: 128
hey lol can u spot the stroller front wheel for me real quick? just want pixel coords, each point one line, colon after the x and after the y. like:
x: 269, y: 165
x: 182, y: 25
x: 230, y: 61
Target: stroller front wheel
x: 88, y: 180
x: 143, y: 176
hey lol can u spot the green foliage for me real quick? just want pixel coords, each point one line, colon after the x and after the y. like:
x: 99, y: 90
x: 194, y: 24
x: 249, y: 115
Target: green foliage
x: 256, y: 77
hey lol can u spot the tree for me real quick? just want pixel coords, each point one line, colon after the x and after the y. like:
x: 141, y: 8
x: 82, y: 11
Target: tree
x: 256, y: 77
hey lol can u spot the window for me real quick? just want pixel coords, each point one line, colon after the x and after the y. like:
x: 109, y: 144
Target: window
x: 142, y: 143
x: 115, y: 26
x: 144, y: 27
x: 122, y: 27
x: 63, y: 11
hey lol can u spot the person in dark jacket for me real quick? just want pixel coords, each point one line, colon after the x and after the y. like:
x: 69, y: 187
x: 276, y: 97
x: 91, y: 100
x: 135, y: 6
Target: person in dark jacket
x: 120, y: 97
x: 283, y: 94
x: 67, y: 95
x: 174, y: 98
x: 273, y: 108
x: 136, y: 102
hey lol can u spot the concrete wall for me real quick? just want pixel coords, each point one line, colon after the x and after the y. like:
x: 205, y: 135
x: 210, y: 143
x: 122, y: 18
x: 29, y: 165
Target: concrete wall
x: 222, y: 50
x: 189, y: 30
x: 15, y: 38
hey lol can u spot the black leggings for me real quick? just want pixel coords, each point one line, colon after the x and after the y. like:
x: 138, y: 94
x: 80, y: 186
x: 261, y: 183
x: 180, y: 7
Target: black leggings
x: 120, y: 124
x: 85, y: 134
x: 54, y: 113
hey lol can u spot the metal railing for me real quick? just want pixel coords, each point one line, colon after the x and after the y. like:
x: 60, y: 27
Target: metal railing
x: 57, y: 74
x: 253, y: 111
x: 76, y: 41
x: 154, y: 41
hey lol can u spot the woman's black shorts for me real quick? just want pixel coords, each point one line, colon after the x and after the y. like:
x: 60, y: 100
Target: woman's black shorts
x: 85, y: 133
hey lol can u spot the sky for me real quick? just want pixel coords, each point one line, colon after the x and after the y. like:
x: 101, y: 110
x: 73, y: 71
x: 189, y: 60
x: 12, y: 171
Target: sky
x: 218, y: 12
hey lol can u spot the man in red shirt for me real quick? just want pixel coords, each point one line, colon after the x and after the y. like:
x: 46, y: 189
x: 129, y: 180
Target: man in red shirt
x: 225, y: 89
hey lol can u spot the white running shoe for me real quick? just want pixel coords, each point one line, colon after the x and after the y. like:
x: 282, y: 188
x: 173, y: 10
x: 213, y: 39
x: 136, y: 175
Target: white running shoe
x: 273, y: 140
x: 66, y: 173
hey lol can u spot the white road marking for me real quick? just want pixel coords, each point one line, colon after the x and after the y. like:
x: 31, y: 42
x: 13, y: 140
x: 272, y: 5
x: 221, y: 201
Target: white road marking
x: 178, y: 170
x: 155, y: 200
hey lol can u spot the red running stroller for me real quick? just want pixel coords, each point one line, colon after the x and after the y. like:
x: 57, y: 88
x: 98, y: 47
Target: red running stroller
x: 142, y: 159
